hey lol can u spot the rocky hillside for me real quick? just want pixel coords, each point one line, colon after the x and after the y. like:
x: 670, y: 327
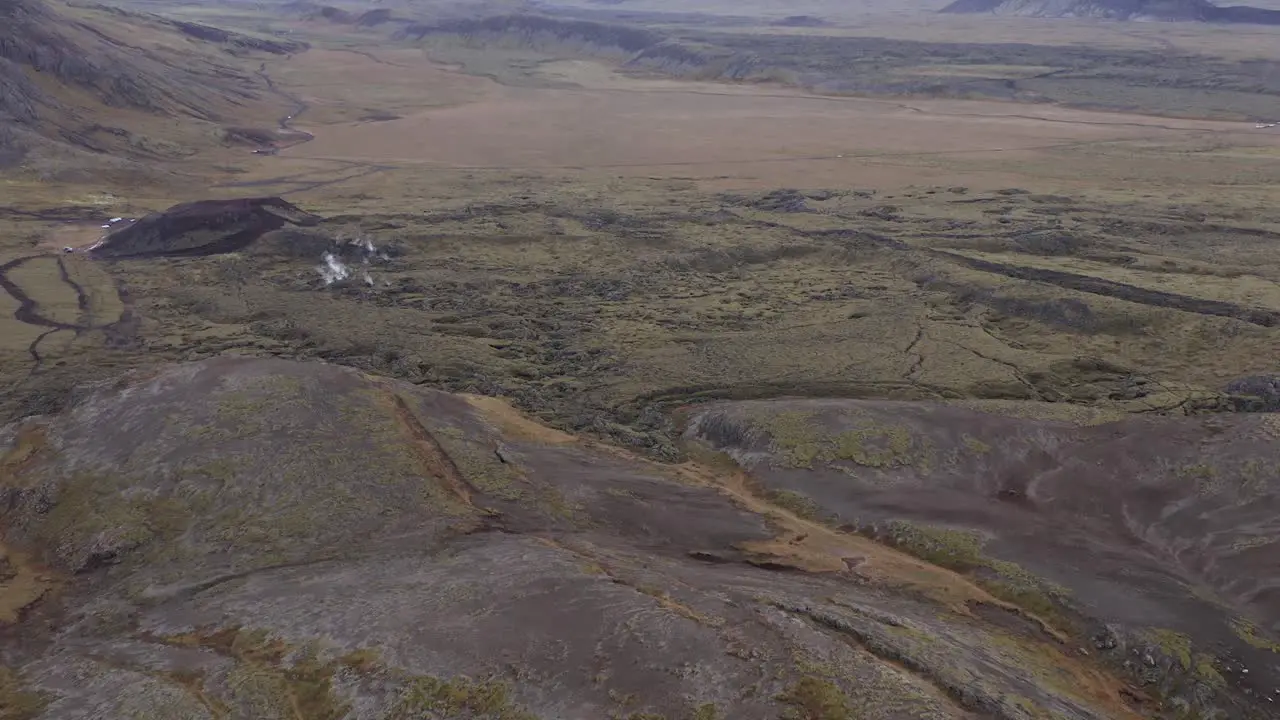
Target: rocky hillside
x: 541, y: 31
x: 633, y: 47
x: 268, y: 539
x: 1166, y: 10
x: 201, y: 228
x: 76, y: 82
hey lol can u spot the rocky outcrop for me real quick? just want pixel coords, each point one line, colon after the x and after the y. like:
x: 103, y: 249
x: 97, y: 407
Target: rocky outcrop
x: 1167, y: 10
x: 206, y: 227
x: 1256, y: 393
x: 246, y: 538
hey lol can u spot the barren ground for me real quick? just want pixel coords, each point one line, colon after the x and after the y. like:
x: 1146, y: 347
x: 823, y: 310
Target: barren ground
x: 805, y: 379
x: 723, y: 136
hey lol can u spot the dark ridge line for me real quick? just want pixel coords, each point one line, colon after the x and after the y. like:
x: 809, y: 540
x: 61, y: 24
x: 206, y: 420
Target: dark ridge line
x: 1120, y: 291
x: 864, y: 390
x: 34, y: 350
x: 125, y: 328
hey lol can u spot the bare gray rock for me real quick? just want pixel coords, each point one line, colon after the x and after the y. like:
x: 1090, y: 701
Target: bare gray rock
x: 265, y: 539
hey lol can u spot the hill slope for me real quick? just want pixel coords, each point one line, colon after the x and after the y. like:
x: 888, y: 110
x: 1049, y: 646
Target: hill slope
x: 268, y: 539
x: 94, y: 85
x: 1168, y: 10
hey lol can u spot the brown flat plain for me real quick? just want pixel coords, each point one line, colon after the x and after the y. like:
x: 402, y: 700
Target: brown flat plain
x: 724, y: 136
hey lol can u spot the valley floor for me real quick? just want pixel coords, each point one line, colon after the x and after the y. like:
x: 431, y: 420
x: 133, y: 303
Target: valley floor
x: 590, y: 121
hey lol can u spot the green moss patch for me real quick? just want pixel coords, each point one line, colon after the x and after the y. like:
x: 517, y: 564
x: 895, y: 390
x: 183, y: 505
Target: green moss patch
x: 278, y: 681
x: 797, y: 503
x: 1174, y: 644
x: 460, y: 697
x: 109, y: 511
x: 17, y: 702
x: 812, y: 698
x: 962, y: 551
x: 272, y: 679
x: 1248, y: 631
x: 801, y: 441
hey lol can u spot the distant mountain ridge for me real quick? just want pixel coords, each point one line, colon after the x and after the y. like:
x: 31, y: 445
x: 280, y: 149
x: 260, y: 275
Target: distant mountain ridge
x: 1163, y: 10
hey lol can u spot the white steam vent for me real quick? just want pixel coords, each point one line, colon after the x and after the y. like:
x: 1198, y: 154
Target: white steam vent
x: 333, y: 270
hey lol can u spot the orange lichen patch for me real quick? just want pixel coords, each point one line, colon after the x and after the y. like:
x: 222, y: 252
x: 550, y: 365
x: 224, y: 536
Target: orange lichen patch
x: 513, y: 424
x: 193, y: 683
x: 30, y: 442
x: 794, y: 552
x: 810, y: 545
x: 1071, y: 675
x: 22, y: 583
x: 233, y: 642
x: 298, y: 684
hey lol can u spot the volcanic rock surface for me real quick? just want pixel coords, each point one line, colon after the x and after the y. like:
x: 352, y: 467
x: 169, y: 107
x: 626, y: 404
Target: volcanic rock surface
x: 269, y: 539
x: 205, y: 227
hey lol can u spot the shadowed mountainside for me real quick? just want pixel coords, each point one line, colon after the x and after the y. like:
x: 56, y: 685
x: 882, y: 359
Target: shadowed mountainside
x: 1167, y: 10
x: 202, y: 228
x: 262, y: 538
x: 1190, y: 85
x: 81, y: 85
